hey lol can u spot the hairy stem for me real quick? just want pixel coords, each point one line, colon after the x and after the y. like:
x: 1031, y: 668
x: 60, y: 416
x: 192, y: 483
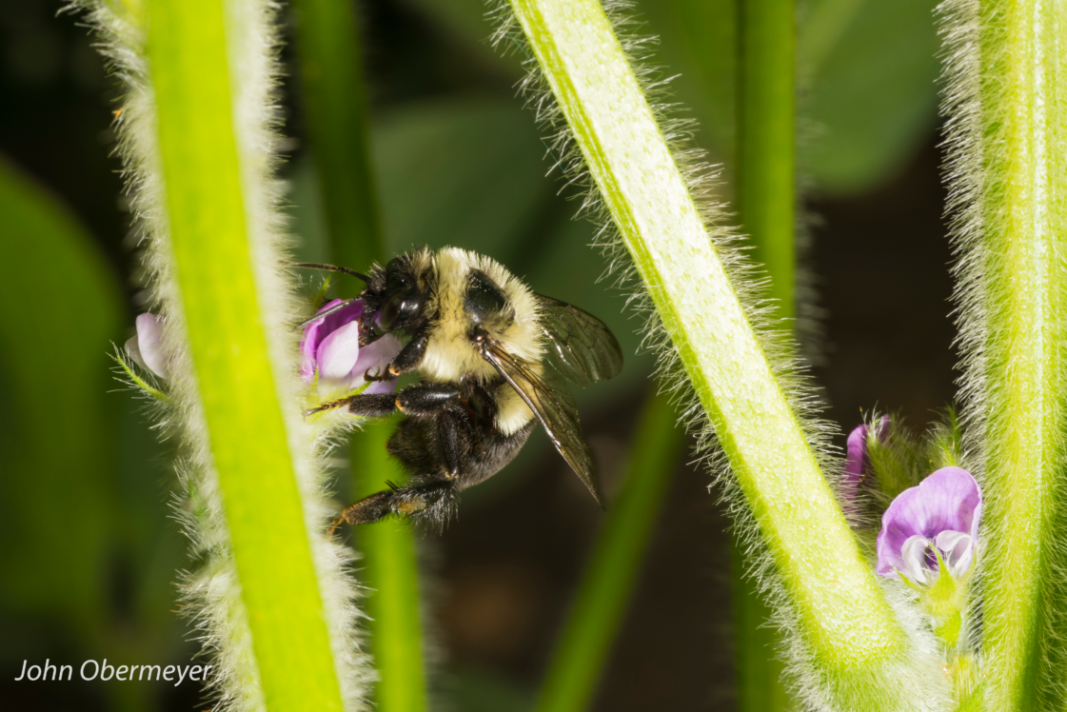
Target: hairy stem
x: 608, y: 581
x: 335, y: 96
x: 206, y: 196
x: 766, y: 205
x: 845, y: 623
x: 1008, y: 130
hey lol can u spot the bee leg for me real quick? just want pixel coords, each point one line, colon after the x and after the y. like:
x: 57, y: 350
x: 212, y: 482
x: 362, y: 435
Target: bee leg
x: 409, y: 357
x: 367, y: 510
x: 371, y: 405
x: 455, y: 437
x: 426, y: 399
x: 379, y: 374
x: 444, y: 403
x: 432, y: 500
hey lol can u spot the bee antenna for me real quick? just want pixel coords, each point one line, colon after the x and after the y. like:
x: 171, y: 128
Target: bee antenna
x: 332, y: 268
x: 326, y: 312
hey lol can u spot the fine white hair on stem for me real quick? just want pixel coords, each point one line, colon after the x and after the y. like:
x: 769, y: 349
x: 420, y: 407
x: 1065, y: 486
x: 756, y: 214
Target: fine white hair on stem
x: 1004, y: 99
x: 961, y: 80
x: 211, y: 592
x: 910, y: 681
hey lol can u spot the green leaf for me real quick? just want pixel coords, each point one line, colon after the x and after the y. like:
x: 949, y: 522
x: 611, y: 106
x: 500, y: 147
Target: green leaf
x: 698, y: 46
x: 466, y: 173
x: 81, y: 494
x: 60, y: 309
x: 873, y: 97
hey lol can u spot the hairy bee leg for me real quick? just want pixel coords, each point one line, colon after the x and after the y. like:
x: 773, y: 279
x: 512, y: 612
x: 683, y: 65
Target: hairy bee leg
x: 457, y: 438
x: 451, y: 444
x: 455, y: 431
x: 367, y: 510
x: 371, y: 405
x: 426, y: 399
x: 433, y: 501
x: 409, y: 357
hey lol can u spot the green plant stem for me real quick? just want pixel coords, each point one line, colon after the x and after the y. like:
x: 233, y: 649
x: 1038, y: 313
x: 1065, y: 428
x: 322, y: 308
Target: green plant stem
x: 335, y: 98
x: 608, y: 581
x: 766, y: 163
x: 841, y: 613
x: 758, y: 645
x: 1022, y: 199
x: 249, y: 446
x: 391, y: 572
x: 766, y: 200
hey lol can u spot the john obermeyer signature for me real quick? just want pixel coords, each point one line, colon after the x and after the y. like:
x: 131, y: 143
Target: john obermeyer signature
x: 104, y: 671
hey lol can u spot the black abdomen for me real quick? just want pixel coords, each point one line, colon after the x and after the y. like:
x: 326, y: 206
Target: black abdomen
x: 477, y: 449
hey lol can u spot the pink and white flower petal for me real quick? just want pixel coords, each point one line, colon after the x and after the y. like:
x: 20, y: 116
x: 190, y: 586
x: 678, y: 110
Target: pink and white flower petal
x: 146, y: 348
x: 338, y: 352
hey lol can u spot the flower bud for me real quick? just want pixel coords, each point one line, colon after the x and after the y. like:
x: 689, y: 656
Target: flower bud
x: 146, y: 348
x: 858, y: 464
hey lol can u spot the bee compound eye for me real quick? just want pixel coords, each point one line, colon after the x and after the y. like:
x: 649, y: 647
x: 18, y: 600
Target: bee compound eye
x: 390, y: 313
x: 410, y: 306
x: 400, y: 306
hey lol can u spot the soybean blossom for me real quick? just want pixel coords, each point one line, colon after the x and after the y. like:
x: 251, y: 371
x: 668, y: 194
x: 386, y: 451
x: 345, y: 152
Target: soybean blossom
x: 934, y: 522
x: 331, y: 357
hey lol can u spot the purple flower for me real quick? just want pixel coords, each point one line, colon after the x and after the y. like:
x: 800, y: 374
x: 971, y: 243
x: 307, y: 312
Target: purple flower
x: 858, y: 464
x: 146, y: 348
x: 330, y: 349
x: 943, y: 513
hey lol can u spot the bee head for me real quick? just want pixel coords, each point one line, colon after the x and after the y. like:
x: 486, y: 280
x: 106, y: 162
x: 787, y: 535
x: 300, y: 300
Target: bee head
x: 396, y: 296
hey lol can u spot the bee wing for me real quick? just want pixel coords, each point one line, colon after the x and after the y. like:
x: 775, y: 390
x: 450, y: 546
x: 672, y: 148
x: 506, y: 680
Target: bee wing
x: 577, y: 344
x: 552, y: 403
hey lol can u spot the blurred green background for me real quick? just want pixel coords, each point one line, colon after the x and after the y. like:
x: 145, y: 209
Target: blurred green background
x: 89, y: 551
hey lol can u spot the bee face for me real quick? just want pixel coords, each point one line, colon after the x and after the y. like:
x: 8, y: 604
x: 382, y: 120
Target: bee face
x: 398, y: 297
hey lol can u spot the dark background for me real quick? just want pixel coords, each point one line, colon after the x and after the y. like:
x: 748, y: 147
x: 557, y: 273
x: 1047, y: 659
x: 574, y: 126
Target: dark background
x: 460, y: 162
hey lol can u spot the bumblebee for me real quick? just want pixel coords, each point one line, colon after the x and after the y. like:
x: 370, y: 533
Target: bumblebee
x: 492, y: 357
